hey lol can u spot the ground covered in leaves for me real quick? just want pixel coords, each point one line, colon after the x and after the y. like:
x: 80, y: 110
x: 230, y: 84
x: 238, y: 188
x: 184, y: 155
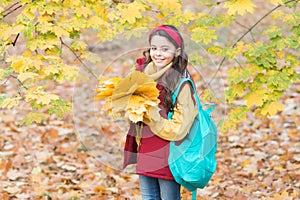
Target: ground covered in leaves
x: 260, y: 160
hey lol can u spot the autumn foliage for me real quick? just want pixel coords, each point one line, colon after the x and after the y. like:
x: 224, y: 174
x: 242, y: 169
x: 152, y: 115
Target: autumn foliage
x: 263, y: 69
x: 45, y: 51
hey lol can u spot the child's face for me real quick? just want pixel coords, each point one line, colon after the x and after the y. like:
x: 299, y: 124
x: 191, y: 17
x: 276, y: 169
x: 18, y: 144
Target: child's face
x: 162, y: 51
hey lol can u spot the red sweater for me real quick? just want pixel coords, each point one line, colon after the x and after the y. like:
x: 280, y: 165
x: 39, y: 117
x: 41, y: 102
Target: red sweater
x: 153, y: 153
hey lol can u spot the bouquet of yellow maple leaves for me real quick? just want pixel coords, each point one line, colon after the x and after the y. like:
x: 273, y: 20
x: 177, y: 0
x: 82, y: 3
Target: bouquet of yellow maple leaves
x: 133, y: 97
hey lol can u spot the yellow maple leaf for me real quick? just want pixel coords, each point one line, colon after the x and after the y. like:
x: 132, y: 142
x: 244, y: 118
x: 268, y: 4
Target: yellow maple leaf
x: 37, y: 93
x: 239, y: 6
x: 70, y: 72
x: 106, y: 87
x: 136, y: 108
x: 27, y: 75
x: 10, y: 102
x: 256, y: 97
x: 271, y: 108
x: 45, y: 99
x: 17, y: 65
x: 131, y: 11
x: 147, y: 90
x: 95, y: 22
x: 58, y: 31
x: 172, y: 5
x: 27, y: 53
x: 135, y: 95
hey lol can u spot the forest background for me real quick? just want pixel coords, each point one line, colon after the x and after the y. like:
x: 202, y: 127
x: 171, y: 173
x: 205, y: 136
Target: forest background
x: 57, y: 142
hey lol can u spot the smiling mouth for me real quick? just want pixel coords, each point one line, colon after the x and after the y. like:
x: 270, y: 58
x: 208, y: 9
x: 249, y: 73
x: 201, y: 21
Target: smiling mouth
x: 159, y: 60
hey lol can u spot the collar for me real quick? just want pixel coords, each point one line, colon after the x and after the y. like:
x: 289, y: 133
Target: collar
x: 150, y: 71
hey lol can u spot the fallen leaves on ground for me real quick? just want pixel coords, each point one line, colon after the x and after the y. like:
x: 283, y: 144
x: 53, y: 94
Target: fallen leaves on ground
x: 260, y: 160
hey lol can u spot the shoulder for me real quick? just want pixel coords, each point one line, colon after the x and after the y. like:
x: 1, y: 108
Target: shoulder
x: 186, y: 81
x: 140, y: 63
x: 186, y: 89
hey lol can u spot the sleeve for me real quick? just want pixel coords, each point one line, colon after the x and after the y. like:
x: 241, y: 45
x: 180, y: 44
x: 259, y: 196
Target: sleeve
x: 177, y: 128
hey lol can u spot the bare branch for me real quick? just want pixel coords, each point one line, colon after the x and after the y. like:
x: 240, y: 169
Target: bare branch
x: 10, y: 7
x: 242, y: 25
x: 15, y: 41
x: 11, y: 11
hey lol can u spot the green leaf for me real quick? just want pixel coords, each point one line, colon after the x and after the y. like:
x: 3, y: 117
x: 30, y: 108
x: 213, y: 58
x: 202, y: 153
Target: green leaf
x: 2, y: 98
x: 203, y: 35
x: 8, y: 102
x: 239, y: 74
x: 197, y: 59
x: 29, y: 30
x: 33, y: 117
x: 60, y: 107
x: 273, y: 32
x: 257, y: 49
x: 4, y: 72
x: 78, y: 45
x: 235, y: 90
x: 69, y: 72
x: 74, y: 34
x: 278, y: 80
x: 215, y: 50
x: 43, y: 41
x: 238, y: 114
x: 293, y: 42
x: 37, y: 94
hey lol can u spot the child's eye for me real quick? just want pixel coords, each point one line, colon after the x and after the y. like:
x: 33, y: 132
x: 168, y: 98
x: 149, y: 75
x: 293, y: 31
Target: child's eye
x: 153, y: 48
x: 164, y: 49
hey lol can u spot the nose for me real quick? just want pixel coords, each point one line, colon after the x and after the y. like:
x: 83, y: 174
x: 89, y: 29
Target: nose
x: 157, y: 52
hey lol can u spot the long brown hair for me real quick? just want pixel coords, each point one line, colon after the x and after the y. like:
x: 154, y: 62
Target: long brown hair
x: 171, y: 78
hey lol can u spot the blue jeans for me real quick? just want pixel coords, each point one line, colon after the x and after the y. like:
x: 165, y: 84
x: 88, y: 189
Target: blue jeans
x: 158, y: 189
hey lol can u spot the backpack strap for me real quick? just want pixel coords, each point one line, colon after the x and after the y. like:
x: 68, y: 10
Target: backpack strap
x: 176, y: 92
x: 211, y: 106
x: 194, y: 195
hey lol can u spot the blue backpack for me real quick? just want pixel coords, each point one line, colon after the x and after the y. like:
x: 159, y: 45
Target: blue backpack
x: 192, y: 162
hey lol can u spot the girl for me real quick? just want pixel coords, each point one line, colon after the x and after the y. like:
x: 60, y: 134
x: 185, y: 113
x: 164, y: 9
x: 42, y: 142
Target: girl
x: 166, y: 62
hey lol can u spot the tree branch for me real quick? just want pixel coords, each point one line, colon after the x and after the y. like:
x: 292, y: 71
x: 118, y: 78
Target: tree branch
x: 9, y: 8
x: 249, y: 30
x: 5, y: 15
x: 15, y: 41
x: 78, y: 58
x: 20, y: 82
x: 4, y: 82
